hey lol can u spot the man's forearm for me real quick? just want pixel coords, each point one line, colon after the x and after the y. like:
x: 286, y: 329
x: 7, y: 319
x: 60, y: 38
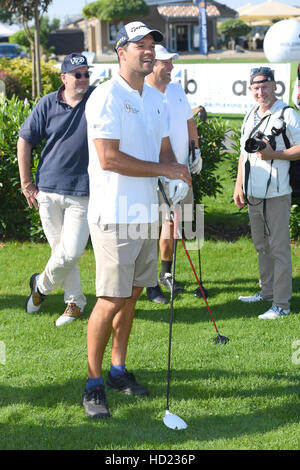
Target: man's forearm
x: 193, y: 133
x: 239, y: 178
x: 24, y: 159
x: 293, y: 153
x: 112, y: 159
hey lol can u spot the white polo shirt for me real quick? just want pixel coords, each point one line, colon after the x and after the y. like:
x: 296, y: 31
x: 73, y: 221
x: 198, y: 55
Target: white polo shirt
x: 263, y: 170
x: 116, y: 111
x: 179, y: 112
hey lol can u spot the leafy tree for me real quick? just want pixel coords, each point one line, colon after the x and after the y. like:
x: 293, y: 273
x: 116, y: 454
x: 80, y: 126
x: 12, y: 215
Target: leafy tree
x: 46, y: 27
x: 26, y: 11
x: 5, y: 15
x: 234, y: 29
x: 115, y: 10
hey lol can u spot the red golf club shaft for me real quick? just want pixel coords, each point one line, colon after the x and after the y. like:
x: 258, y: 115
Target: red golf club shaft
x: 199, y: 283
x: 187, y: 253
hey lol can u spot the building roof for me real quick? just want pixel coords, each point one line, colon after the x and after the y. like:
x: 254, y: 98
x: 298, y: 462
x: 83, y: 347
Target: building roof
x: 190, y: 10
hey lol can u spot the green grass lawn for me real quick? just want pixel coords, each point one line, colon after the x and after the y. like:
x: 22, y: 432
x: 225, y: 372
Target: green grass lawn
x: 243, y: 395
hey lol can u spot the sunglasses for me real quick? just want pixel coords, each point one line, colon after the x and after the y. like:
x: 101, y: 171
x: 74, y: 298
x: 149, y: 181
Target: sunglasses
x: 261, y: 69
x: 79, y: 74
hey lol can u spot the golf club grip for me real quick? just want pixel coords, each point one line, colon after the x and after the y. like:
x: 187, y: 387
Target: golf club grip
x: 193, y: 150
x: 163, y: 192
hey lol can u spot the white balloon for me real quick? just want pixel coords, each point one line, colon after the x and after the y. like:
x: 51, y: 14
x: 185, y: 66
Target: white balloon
x: 282, y: 42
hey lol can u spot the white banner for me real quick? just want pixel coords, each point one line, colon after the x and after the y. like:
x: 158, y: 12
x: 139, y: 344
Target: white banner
x: 220, y: 88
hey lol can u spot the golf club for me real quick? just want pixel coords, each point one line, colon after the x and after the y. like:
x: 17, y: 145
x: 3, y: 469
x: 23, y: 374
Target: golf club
x: 219, y: 339
x: 172, y: 421
x: 197, y: 291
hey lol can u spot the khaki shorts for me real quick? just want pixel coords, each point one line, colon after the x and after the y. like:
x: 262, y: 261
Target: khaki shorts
x: 186, y: 206
x: 124, y: 260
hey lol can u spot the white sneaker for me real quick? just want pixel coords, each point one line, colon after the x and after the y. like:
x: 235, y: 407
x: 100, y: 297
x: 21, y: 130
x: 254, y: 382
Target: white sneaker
x: 273, y: 313
x: 70, y: 314
x: 252, y: 298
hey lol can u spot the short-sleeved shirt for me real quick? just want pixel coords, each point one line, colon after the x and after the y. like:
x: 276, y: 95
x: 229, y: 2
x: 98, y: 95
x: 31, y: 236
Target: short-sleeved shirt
x: 261, y: 170
x: 116, y: 111
x: 63, y: 162
x: 179, y: 112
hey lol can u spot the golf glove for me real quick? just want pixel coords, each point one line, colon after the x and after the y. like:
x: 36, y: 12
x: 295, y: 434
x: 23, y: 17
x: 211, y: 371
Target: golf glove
x: 196, y: 164
x: 178, y: 189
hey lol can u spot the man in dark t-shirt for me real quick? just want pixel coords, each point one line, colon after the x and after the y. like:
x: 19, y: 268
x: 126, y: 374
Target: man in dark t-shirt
x: 61, y: 187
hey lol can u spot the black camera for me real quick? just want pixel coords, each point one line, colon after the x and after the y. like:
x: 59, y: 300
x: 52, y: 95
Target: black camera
x: 256, y: 144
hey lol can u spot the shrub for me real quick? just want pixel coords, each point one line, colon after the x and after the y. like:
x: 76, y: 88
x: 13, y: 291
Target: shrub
x: 295, y: 220
x: 22, y: 69
x: 15, y: 215
x: 13, y: 86
x: 211, y: 137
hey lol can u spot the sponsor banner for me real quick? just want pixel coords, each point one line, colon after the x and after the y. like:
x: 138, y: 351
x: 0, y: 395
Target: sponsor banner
x: 220, y: 88
x: 203, y: 27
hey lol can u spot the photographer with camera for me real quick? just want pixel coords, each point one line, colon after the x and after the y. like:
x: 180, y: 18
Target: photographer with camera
x: 263, y: 182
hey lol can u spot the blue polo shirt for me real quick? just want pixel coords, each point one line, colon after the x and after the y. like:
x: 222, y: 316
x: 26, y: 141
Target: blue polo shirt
x: 63, y: 162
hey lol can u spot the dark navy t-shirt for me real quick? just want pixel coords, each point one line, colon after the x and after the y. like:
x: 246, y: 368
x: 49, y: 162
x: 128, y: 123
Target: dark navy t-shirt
x: 63, y: 162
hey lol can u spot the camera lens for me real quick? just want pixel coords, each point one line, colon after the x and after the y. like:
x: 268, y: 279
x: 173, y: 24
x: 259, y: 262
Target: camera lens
x: 253, y: 145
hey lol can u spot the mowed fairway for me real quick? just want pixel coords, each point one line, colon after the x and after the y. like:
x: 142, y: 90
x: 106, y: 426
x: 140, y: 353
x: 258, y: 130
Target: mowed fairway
x: 243, y: 395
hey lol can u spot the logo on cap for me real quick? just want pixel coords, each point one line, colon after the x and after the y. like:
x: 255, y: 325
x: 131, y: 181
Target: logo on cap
x: 77, y: 60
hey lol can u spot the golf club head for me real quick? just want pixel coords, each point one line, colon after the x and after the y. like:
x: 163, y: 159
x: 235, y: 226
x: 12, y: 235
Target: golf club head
x: 173, y: 421
x: 198, y: 293
x: 221, y: 339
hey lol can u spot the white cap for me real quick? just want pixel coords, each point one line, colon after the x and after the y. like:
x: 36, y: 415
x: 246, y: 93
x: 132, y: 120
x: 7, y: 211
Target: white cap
x: 135, y: 31
x: 161, y: 53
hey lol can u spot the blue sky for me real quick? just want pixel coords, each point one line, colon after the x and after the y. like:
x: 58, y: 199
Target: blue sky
x: 62, y: 8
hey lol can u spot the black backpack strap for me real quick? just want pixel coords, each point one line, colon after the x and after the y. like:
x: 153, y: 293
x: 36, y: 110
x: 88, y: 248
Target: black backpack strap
x: 284, y: 136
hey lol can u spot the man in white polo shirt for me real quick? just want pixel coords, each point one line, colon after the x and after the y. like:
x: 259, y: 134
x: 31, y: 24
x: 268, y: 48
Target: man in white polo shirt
x: 129, y: 148
x: 182, y: 131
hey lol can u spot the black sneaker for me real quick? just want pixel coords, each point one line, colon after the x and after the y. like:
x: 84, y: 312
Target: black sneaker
x: 94, y: 402
x: 166, y: 280
x: 155, y: 295
x: 126, y: 383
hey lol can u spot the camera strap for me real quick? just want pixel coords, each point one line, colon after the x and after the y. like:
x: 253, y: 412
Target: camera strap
x: 248, y: 166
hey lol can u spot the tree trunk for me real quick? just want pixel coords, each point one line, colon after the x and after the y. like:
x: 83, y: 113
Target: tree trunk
x: 37, y: 53
x: 33, y: 73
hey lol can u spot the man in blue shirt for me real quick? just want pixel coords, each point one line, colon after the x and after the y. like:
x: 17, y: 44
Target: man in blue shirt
x: 61, y: 187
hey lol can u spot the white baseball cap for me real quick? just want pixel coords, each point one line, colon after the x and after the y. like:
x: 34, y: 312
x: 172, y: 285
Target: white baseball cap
x: 135, y: 31
x: 161, y: 53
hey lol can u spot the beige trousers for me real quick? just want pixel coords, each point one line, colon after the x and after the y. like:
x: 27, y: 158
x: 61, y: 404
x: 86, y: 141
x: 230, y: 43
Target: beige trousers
x: 271, y: 238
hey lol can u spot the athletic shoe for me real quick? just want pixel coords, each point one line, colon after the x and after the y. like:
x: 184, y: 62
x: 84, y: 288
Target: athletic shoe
x: 35, y: 299
x: 252, y: 298
x: 94, y: 402
x: 155, y: 295
x: 274, y: 312
x: 126, y: 383
x: 71, y: 313
x: 166, y: 280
